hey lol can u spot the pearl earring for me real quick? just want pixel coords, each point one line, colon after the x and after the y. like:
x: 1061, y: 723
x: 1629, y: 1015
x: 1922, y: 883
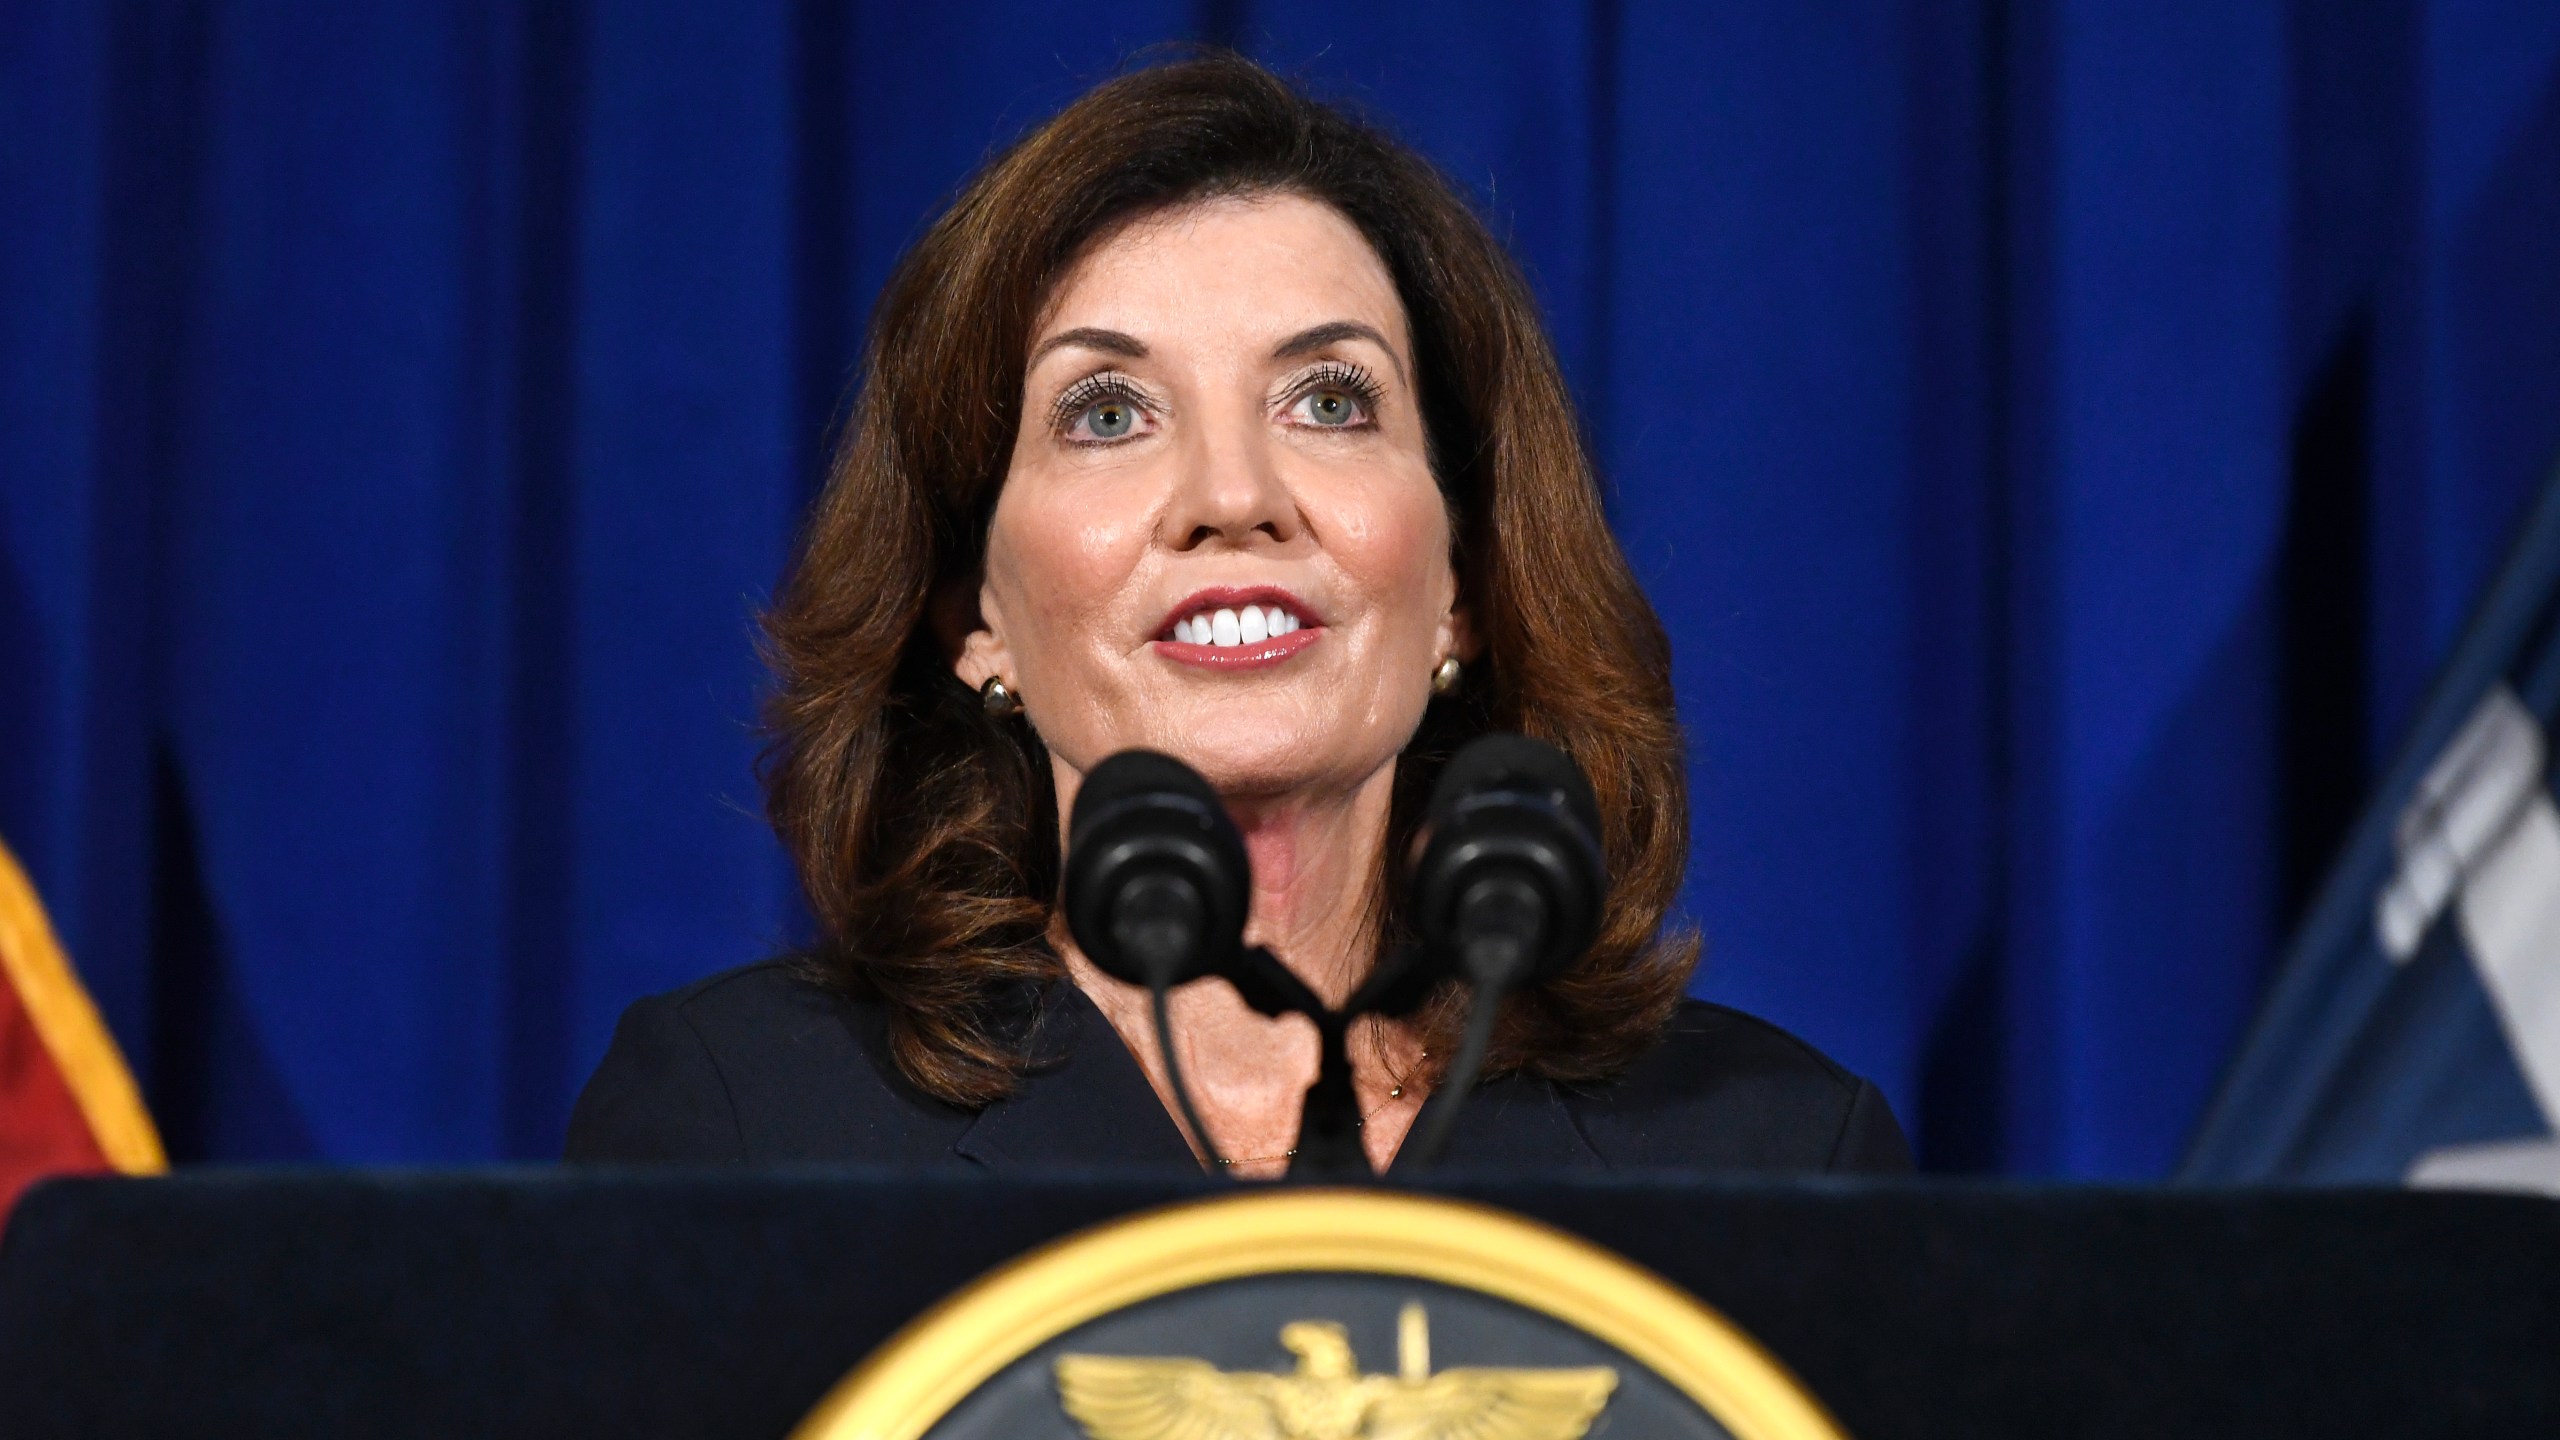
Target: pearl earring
x: 1001, y: 703
x: 1445, y: 679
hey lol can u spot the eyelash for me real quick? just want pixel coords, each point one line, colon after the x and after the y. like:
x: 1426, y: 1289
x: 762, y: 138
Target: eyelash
x: 1088, y: 392
x: 1092, y: 390
x: 1350, y: 379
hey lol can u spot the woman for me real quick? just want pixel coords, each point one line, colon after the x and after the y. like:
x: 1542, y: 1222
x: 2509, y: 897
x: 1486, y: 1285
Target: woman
x: 1207, y: 421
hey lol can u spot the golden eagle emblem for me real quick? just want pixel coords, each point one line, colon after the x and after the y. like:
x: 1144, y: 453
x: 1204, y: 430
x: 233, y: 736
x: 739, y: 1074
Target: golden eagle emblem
x: 1145, y: 1397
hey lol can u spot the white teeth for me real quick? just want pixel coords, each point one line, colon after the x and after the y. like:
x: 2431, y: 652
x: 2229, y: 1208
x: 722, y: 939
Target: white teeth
x: 1243, y: 625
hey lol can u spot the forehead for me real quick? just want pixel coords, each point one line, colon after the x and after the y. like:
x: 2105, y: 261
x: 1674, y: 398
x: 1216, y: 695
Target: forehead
x: 1244, y: 268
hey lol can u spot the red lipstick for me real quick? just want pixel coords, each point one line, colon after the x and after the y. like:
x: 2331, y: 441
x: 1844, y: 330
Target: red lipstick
x: 1264, y: 625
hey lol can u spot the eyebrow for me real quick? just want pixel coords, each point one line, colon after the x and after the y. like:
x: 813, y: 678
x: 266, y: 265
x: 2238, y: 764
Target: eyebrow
x: 1314, y: 338
x: 1109, y: 342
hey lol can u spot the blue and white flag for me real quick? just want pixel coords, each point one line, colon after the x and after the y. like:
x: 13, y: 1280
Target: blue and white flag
x: 2414, y: 1032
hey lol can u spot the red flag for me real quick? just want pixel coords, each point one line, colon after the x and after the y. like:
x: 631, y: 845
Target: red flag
x: 67, y: 1103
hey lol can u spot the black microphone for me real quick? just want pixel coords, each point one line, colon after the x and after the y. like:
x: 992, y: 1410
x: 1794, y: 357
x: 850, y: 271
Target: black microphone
x: 1505, y: 889
x: 1157, y: 887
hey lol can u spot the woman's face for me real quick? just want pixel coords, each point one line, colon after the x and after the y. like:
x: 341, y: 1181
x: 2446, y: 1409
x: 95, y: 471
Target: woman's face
x: 1219, y: 536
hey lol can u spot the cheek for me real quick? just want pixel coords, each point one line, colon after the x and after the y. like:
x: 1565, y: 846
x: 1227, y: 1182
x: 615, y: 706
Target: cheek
x: 1056, y: 561
x: 1400, y: 550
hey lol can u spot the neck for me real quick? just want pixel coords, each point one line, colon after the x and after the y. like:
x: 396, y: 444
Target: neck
x: 1316, y: 870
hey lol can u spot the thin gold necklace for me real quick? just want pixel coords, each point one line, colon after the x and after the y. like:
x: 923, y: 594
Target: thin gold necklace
x: 1362, y: 1123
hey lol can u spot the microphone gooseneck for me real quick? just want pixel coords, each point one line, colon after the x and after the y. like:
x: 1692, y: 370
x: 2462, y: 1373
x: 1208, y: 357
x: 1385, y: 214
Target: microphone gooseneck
x: 1157, y: 888
x: 1506, y: 889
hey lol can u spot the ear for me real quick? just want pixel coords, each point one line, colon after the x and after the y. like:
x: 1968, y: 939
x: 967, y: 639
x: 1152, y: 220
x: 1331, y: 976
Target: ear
x: 1462, y: 639
x: 1458, y: 633
x: 959, y: 617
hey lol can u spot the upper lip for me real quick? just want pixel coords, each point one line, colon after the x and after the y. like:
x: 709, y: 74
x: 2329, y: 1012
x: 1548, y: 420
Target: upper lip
x: 1228, y: 597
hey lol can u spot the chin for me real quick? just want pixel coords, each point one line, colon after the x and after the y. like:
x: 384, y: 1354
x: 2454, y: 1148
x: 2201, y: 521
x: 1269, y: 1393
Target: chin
x: 1245, y: 771
x: 1250, y: 776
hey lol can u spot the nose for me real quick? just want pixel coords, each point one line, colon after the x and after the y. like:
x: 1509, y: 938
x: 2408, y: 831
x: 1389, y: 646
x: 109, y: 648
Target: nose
x: 1230, y: 492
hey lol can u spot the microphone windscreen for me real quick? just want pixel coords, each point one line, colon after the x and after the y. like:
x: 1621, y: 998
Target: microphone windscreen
x: 1519, y: 763
x: 1132, y: 773
x: 1141, y: 822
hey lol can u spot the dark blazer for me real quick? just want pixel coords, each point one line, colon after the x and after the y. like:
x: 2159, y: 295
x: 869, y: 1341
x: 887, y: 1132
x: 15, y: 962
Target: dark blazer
x: 762, y: 1065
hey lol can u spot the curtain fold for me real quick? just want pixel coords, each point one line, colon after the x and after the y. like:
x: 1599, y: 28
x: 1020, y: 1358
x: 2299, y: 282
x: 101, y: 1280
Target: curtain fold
x: 2063, y: 440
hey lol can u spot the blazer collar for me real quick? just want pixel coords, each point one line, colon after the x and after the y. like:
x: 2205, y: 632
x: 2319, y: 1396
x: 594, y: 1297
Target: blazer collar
x: 1086, y: 1106
x: 1091, y: 1107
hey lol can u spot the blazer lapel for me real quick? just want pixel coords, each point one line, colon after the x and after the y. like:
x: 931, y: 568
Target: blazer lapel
x: 1516, y: 1124
x: 1089, y: 1106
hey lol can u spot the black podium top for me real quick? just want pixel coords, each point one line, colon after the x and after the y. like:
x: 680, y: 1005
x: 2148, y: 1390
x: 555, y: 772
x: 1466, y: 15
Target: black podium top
x: 675, y: 1303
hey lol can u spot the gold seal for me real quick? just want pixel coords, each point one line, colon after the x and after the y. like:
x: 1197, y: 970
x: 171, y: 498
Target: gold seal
x: 911, y: 1383
x: 1153, y: 1397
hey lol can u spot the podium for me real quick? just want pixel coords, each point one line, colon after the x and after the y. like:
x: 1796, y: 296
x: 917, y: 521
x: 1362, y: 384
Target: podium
x: 559, y: 1302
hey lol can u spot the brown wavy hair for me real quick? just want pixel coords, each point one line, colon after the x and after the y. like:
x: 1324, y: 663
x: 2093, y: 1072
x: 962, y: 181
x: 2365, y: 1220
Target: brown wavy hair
x: 927, y: 834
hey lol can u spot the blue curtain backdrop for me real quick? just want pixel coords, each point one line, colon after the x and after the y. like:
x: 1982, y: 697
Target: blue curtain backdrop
x: 2062, y: 437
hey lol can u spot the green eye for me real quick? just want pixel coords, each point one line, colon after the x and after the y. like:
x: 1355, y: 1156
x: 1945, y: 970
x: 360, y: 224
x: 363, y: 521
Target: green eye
x: 1331, y: 407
